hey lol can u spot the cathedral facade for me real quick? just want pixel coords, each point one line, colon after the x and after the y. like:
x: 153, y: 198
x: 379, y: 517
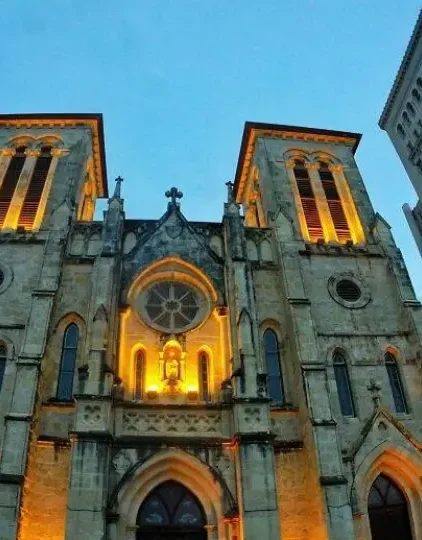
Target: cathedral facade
x: 253, y: 378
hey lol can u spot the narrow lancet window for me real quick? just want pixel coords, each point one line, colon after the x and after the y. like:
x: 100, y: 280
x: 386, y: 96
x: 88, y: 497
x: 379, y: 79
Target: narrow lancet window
x: 203, y: 375
x: 344, y: 389
x: 307, y: 199
x: 3, y: 361
x: 10, y: 182
x: 139, y: 375
x: 396, y: 385
x: 334, y: 203
x: 68, y: 363
x: 35, y: 188
x: 272, y: 359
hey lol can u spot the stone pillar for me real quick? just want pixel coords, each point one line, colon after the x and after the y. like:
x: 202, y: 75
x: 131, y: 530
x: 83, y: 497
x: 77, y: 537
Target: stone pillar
x: 18, y: 421
x: 256, y: 488
x: 56, y: 153
x: 355, y: 226
x: 6, y: 155
x: 330, y: 234
x: 12, y: 217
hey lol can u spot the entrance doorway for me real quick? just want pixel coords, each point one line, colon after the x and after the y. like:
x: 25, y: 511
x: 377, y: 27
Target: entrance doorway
x: 388, y: 512
x: 171, y: 512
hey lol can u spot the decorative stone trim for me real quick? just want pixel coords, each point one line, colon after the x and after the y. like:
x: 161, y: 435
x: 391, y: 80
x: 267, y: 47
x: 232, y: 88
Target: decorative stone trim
x: 361, y: 302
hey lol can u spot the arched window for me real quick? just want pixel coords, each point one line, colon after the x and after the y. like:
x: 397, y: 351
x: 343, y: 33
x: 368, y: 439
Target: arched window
x: 307, y: 198
x: 68, y: 363
x: 395, y: 383
x: 334, y: 203
x: 3, y: 361
x: 35, y: 189
x: 203, y: 376
x: 10, y: 181
x: 171, y: 511
x: 416, y: 95
x: 272, y: 359
x: 400, y: 131
x: 406, y: 118
x: 388, y: 512
x: 139, y: 374
x: 344, y: 389
x: 411, y: 109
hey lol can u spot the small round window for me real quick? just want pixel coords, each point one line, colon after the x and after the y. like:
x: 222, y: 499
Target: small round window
x: 172, y: 306
x: 348, y: 290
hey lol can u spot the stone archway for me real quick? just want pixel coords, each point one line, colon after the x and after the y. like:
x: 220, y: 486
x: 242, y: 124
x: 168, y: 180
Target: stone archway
x: 171, y: 512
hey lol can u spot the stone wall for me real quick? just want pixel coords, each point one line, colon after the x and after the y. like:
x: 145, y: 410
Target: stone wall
x: 43, y: 511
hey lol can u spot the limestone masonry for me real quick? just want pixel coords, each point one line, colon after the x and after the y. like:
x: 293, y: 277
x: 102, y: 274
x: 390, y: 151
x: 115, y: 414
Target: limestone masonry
x: 257, y: 378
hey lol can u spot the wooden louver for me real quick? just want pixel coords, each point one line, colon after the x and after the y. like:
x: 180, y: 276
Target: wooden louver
x: 334, y: 204
x: 35, y: 189
x: 10, y: 182
x: 308, y: 201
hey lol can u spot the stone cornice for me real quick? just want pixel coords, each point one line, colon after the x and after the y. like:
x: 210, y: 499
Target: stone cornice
x: 407, y: 58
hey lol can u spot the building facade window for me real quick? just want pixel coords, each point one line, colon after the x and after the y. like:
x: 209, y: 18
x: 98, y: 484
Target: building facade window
x: 68, y: 363
x: 308, y: 201
x: 10, y: 181
x: 344, y: 389
x: 35, y: 189
x: 3, y: 361
x: 388, y: 511
x: 334, y: 203
x: 396, y: 384
x: 411, y: 109
x: 400, y: 131
x: 139, y: 375
x: 203, y: 376
x: 406, y: 118
x: 274, y: 373
x: 416, y: 95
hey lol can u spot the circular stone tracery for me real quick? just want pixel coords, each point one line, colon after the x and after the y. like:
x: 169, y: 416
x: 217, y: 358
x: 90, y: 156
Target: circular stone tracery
x: 172, y: 306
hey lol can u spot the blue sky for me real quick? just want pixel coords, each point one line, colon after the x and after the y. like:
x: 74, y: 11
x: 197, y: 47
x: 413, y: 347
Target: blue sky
x: 177, y: 79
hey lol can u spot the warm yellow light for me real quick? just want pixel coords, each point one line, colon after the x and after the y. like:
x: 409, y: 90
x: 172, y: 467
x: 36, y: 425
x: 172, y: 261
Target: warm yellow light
x: 192, y: 388
x: 152, y: 388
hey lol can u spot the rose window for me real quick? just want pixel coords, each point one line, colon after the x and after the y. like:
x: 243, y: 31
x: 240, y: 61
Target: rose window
x: 172, y: 306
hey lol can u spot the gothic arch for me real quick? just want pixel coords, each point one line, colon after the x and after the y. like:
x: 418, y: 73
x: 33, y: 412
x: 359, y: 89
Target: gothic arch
x: 296, y: 153
x: 203, y: 481
x: 404, y: 466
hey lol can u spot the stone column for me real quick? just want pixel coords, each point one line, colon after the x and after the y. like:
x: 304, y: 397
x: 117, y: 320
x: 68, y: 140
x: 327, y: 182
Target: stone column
x: 254, y: 446
x: 18, y: 421
x: 6, y: 155
x: 348, y: 204
x: 56, y: 153
x: 330, y: 234
x: 12, y: 217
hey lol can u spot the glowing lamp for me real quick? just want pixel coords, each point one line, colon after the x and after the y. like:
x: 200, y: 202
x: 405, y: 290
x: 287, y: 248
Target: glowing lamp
x: 192, y: 393
x: 152, y: 392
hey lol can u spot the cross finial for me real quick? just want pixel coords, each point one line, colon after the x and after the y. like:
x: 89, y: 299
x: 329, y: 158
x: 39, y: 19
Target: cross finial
x: 375, y: 388
x: 174, y: 194
x: 117, y: 189
x: 229, y: 185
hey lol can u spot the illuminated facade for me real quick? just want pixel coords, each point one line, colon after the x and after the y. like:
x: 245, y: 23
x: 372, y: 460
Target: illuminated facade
x: 257, y: 377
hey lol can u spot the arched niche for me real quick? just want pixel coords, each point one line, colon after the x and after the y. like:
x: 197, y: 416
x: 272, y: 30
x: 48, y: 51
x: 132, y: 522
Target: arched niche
x: 129, y: 242
x: 266, y: 251
x: 77, y: 245
x: 94, y: 245
x: 251, y: 250
x: 216, y: 244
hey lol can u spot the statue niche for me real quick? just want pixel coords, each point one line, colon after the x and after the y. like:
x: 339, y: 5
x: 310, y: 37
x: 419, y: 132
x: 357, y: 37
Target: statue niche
x: 172, y: 367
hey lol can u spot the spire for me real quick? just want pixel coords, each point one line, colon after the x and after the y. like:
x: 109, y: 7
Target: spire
x: 173, y: 194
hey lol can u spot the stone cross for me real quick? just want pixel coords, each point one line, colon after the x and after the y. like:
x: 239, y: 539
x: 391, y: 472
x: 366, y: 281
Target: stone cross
x: 118, y: 181
x: 229, y: 191
x: 375, y: 388
x: 174, y: 194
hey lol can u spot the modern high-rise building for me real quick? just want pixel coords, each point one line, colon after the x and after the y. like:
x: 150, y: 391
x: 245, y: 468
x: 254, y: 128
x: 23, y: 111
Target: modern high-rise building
x: 402, y: 120
x: 253, y: 378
